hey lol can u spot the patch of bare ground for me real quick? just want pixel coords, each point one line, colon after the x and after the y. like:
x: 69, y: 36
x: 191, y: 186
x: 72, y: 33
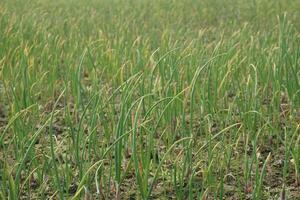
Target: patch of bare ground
x: 3, y: 117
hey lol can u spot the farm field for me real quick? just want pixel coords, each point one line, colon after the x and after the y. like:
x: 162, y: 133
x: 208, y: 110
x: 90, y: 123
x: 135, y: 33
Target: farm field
x: 150, y: 99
